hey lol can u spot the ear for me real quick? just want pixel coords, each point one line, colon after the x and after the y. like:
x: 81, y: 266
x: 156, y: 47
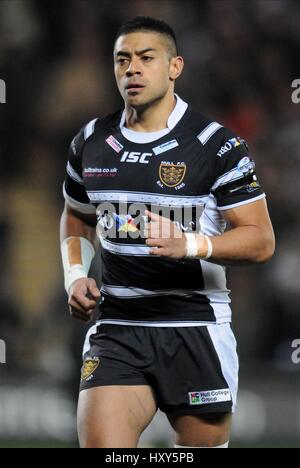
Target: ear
x: 176, y: 68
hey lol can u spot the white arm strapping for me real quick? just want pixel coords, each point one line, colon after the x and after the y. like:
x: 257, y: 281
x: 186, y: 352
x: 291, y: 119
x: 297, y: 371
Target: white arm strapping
x: 192, y: 246
x: 73, y: 272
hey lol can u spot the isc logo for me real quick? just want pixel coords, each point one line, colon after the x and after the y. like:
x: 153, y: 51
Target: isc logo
x: 132, y: 157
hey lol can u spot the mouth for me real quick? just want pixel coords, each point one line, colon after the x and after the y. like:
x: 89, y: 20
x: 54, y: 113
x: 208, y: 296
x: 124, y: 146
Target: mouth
x: 134, y: 88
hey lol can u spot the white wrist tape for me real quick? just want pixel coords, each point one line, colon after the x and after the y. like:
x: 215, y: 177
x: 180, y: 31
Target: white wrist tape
x: 210, y: 248
x: 192, y: 247
x: 76, y: 266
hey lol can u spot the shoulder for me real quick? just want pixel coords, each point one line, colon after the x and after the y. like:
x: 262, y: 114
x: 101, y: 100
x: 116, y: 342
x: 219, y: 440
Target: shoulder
x: 92, y: 128
x: 213, y: 135
x: 108, y: 122
x: 207, y: 129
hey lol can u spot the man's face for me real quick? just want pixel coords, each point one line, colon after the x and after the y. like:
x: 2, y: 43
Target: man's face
x: 142, y: 58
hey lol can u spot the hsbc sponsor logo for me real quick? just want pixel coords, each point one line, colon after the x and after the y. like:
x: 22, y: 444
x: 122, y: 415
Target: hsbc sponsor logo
x: 136, y: 157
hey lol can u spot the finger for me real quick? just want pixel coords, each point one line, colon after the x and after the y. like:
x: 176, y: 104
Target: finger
x: 155, y: 242
x: 95, y: 292
x: 77, y: 314
x: 154, y: 217
x: 158, y: 230
x: 159, y: 252
x: 85, y: 303
x: 90, y: 313
x: 75, y: 305
x: 77, y: 311
x: 83, y: 314
x: 153, y: 234
x: 150, y: 226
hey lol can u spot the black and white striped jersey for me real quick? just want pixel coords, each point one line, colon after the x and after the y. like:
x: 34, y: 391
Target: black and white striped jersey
x: 193, y: 170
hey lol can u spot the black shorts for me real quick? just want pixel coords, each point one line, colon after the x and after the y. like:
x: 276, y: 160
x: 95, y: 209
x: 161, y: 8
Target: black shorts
x: 192, y: 370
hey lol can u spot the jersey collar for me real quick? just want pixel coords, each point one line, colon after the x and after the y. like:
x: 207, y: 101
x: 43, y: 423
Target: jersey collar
x: 147, y: 137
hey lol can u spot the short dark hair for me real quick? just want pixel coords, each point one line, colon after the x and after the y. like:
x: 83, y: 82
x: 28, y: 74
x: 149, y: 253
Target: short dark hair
x: 148, y: 24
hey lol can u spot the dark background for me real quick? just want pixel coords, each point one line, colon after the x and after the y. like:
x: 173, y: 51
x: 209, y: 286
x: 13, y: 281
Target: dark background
x: 241, y: 57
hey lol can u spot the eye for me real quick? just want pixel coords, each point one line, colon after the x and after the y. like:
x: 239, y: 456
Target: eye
x: 121, y: 61
x: 147, y: 58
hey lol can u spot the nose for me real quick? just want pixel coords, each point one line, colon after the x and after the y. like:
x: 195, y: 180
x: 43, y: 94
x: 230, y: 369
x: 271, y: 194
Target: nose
x: 133, y: 68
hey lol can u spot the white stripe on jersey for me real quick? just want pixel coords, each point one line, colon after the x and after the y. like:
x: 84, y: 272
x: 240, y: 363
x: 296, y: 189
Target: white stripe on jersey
x: 101, y: 196
x: 246, y: 202
x: 135, y: 293
x: 212, y: 221
x: 125, y: 249
x: 219, y: 299
x: 230, y: 176
x: 208, y: 132
x: 135, y: 323
x: 89, y: 129
x: 73, y: 174
x: 215, y: 284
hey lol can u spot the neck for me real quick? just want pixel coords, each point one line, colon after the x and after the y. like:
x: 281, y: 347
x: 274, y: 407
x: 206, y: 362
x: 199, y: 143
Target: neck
x: 151, y: 118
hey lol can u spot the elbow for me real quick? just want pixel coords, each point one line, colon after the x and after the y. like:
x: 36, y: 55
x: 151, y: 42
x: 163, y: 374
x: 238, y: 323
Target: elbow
x: 267, y: 249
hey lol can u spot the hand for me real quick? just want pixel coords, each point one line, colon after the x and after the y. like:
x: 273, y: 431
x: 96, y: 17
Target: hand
x: 165, y: 236
x: 84, y: 295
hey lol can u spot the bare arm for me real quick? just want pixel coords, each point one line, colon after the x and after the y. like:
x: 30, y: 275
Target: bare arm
x: 251, y: 238
x: 83, y: 293
x: 75, y: 224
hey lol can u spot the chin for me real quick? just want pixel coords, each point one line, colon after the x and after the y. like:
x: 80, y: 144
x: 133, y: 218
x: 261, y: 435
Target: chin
x: 137, y: 101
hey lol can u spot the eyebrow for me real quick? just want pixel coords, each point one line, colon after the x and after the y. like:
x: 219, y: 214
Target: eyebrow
x: 139, y: 52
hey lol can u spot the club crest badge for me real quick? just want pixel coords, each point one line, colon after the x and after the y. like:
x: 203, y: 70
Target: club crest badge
x: 172, y: 175
x: 89, y: 367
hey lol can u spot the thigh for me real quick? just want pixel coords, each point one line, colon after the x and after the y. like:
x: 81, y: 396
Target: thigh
x: 114, y: 416
x: 210, y: 430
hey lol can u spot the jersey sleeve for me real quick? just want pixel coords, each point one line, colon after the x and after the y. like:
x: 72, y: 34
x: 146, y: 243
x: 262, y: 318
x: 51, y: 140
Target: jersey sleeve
x: 74, y: 189
x: 234, y: 175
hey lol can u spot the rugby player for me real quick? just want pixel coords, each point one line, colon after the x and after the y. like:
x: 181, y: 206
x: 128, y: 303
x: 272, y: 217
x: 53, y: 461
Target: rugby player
x: 162, y: 336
